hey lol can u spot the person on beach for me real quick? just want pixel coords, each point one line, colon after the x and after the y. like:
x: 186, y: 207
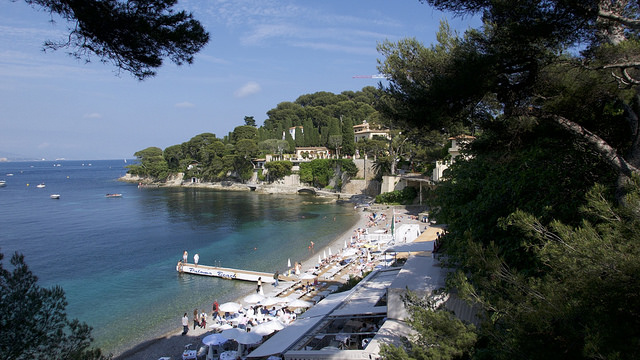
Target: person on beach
x: 196, y: 257
x: 216, y: 307
x: 185, y: 256
x: 259, y: 288
x: 203, y: 320
x: 185, y: 324
x: 196, y: 319
x: 276, y: 275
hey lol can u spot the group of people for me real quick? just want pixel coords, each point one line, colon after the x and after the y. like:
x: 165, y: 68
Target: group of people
x: 185, y: 257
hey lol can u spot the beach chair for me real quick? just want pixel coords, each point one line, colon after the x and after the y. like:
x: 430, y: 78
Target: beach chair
x: 188, y: 353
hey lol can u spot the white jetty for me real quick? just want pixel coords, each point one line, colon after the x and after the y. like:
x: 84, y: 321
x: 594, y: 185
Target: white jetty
x: 227, y: 273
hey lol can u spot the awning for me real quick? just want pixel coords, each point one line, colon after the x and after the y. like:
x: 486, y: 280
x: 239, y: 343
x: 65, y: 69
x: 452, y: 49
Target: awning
x: 285, y: 338
x: 288, y: 336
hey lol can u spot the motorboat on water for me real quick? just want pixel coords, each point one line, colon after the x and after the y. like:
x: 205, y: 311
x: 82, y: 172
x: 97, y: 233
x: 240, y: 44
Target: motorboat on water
x: 3, y: 183
x: 55, y: 196
x: 114, y: 195
x: 40, y: 186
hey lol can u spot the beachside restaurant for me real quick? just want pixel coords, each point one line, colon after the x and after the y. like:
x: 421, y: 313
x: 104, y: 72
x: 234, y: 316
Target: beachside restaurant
x: 353, y: 324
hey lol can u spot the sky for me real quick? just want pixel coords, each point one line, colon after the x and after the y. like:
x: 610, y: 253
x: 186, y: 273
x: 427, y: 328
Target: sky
x: 261, y: 53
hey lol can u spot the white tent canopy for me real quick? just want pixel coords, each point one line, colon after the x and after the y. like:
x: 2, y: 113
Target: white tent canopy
x: 230, y: 307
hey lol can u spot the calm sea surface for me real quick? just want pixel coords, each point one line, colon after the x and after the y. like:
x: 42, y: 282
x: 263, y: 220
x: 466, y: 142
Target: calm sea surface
x: 115, y: 257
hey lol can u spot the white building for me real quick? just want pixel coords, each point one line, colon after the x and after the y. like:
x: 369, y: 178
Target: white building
x: 457, y: 143
x: 364, y: 131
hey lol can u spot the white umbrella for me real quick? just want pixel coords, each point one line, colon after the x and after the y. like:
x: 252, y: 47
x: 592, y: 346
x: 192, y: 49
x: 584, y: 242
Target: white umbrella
x: 241, y: 336
x: 214, y: 339
x: 267, y: 327
x: 349, y: 252
x: 329, y: 252
x: 230, y: 307
x: 319, y: 259
x: 221, y: 326
x: 272, y: 300
x: 253, y: 298
x: 324, y: 254
x: 345, y: 244
x: 289, y: 262
x: 297, y: 303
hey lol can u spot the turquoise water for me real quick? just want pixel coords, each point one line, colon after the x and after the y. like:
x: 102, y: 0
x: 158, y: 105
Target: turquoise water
x: 115, y: 257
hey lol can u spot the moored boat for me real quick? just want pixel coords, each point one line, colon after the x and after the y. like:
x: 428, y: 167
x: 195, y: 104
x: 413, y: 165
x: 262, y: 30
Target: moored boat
x: 55, y: 196
x: 3, y: 183
x: 41, y: 185
x: 113, y: 195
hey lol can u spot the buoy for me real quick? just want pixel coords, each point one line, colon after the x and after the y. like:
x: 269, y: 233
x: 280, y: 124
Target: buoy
x: 27, y: 184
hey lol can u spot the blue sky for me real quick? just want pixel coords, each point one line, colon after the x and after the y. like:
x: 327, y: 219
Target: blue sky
x: 261, y: 53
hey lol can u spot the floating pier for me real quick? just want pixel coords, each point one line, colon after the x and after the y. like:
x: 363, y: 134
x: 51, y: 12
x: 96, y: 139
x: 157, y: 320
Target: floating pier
x: 227, y: 273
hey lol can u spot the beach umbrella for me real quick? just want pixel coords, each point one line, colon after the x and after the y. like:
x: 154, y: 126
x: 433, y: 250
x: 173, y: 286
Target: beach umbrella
x: 319, y: 259
x: 289, y: 262
x: 329, y: 252
x: 297, y: 303
x: 349, y: 252
x: 214, y: 339
x: 345, y: 244
x: 230, y: 307
x: 253, y: 298
x: 272, y: 300
x: 267, y: 327
x: 324, y: 254
x: 241, y: 336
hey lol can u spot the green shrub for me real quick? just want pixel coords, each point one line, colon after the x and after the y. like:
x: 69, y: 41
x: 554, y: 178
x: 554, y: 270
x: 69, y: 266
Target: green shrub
x: 404, y: 196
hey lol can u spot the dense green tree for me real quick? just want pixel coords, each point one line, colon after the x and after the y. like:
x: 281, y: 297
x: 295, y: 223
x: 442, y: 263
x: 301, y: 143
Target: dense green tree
x: 151, y: 163
x: 299, y: 140
x: 278, y: 169
x: 292, y: 144
x: 246, y: 148
x: 136, y: 36
x: 33, y: 319
x: 335, y: 142
x: 250, y: 121
x: 373, y: 148
x: 348, y: 137
x: 244, y: 132
x: 309, y: 133
x: 273, y: 146
x: 173, y: 154
x: 439, y: 335
x: 195, y: 147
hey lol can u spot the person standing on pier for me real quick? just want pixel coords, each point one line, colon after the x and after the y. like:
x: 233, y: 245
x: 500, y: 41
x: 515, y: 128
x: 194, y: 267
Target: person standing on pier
x: 196, y: 257
x: 275, y: 278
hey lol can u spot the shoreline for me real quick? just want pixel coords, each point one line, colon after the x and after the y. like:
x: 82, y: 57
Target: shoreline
x: 172, y: 342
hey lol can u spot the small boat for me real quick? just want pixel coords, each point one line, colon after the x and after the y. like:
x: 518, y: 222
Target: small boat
x: 114, y: 195
x: 3, y: 183
x: 40, y: 186
x: 55, y: 196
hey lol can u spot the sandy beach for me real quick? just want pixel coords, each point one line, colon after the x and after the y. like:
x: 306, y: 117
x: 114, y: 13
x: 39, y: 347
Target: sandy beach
x: 173, y: 343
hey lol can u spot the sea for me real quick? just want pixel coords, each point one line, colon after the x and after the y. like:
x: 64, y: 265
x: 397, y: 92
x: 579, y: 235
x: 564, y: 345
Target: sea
x: 115, y: 257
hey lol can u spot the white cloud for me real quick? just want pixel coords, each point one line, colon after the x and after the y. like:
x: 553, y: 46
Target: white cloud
x: 92, y: 116
x: 249, y: 88
x: 185, y: 104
